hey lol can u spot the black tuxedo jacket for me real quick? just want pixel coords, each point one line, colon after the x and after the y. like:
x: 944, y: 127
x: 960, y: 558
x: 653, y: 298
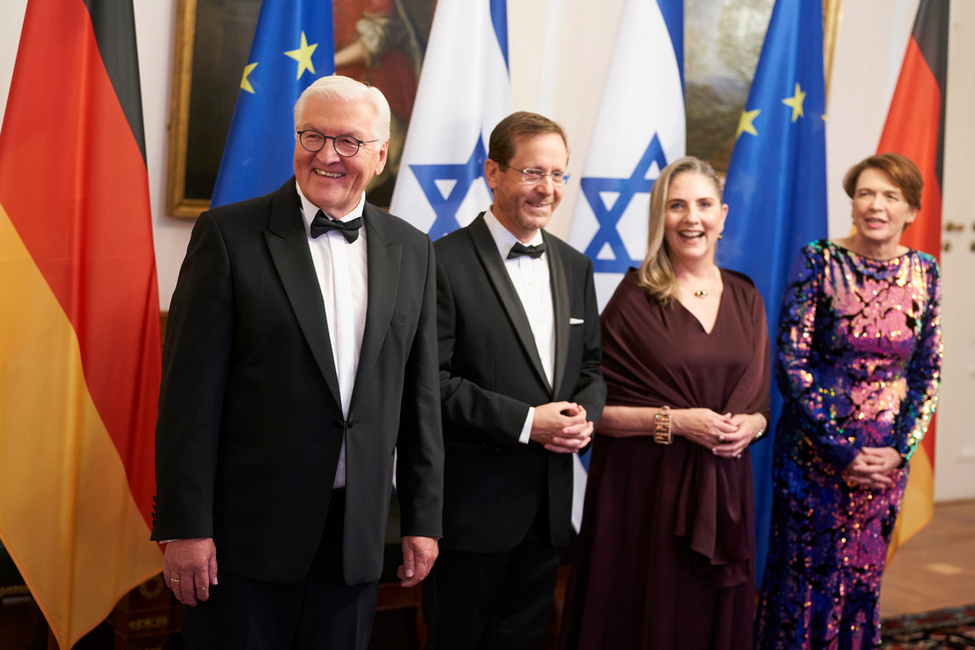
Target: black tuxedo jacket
x: 250, y: 423
x: 490, y: 374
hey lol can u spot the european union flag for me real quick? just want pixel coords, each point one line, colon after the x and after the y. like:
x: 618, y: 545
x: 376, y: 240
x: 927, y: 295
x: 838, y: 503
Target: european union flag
x: 293, y: 46
x: 776, y: 187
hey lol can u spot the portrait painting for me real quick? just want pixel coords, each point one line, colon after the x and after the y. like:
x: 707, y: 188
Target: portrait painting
x: 378, y: 42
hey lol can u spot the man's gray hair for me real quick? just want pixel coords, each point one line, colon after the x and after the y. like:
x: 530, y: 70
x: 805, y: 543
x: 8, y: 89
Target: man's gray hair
x: 344, y: 89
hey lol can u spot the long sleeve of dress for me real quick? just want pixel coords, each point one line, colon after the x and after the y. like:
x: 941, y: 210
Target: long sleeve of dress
x: 796, y: 357
x: 924, y: 369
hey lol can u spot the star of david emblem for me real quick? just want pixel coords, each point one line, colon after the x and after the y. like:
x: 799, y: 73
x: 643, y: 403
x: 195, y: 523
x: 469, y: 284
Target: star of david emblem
x: 624, y: 189
x: 445, y: 205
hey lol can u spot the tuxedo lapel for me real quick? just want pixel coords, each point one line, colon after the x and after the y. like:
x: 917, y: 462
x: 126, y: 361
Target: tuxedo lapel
x: 383, y: 256
x: 487, y: 252
x: 288, y: 246
x: 560, y: 296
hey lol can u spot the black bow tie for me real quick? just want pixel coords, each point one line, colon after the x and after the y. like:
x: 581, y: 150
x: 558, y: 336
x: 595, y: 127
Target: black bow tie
x: 520, y: 249
x: 349, y: 229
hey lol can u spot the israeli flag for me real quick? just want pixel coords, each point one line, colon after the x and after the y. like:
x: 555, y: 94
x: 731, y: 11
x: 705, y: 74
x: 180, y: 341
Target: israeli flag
x: 639, y: 129
x: 464, y: 91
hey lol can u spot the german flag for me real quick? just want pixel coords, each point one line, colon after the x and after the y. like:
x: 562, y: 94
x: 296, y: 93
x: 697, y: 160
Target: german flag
x: 79, y: 315
x: 915, y: 127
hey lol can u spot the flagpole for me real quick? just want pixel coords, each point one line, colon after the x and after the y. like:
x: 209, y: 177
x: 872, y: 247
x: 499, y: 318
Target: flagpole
x: 832, y: 17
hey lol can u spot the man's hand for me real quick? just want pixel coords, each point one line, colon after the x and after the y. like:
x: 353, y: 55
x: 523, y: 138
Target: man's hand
x: 419, y: 554
x: 561, y: 427
x: 190, y: 569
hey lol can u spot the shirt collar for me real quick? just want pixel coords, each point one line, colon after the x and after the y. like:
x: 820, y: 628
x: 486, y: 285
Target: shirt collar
x: 309, y: 209
x: 503, y: 238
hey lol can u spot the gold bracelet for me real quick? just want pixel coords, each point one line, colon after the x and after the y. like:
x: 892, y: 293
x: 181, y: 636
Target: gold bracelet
x: 662, y: 433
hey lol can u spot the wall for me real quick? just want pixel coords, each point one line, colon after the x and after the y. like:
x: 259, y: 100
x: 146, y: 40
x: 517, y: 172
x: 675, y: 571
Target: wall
x: 562, y: 77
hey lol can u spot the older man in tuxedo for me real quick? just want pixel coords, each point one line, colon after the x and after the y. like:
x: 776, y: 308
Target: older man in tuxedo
x: 300, y: 353
x: 521, y: 388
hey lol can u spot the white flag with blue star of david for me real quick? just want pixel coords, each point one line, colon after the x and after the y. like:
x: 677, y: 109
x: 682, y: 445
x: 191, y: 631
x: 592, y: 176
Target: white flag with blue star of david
x: 464, y: 91
x: 639, y: 129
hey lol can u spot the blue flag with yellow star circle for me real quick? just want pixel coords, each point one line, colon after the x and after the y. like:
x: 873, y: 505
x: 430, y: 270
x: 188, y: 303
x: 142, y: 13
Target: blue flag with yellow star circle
x: 293, y: 46
x: 776, y: 188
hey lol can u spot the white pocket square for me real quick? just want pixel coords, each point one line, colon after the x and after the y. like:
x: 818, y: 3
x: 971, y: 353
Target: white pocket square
x: 576, y: 321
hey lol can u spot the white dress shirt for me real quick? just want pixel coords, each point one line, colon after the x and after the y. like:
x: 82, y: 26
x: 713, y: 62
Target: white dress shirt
x: 340, y: 267
x: 532, y: 282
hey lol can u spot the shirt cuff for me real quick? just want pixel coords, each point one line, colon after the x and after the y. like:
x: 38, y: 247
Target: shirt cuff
x: 526, y: 430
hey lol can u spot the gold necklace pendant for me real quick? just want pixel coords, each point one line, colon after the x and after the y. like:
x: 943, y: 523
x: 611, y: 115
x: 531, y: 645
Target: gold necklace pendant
x: 701, y: 293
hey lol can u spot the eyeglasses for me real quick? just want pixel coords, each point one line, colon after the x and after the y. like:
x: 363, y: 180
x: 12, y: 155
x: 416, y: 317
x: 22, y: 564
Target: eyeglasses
x: 344, y: 145
x: 536, y: 176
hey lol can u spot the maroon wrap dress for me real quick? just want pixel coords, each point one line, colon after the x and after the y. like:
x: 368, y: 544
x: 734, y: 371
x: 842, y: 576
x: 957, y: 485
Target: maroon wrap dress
x: 665, y: 557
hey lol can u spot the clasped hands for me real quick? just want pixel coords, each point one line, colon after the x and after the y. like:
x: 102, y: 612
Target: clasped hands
x: 726, y: 435
x: 872, y: 467
x: 561, y: 427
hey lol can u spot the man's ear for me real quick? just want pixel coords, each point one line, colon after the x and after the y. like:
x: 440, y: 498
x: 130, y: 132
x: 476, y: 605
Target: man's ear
x: 491, y: 172
x: 381, y: 163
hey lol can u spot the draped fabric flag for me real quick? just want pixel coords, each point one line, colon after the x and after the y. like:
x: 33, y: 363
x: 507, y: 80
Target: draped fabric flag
x: 915, y: 127
x: 293, y: 46
x: 79, y: 315
x: 776, y: 188
x: 640, y: 128
x: 464, y: 92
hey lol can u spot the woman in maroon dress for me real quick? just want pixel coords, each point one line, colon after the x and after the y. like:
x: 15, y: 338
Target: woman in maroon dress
x: 666, y: 551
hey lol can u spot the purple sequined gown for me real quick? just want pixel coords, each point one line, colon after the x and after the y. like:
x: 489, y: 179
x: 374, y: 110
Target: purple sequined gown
x: 858, y: 361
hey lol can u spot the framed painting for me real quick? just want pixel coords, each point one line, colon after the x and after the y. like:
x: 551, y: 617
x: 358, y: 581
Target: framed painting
x: 213, y: 39
x: 722, y: 44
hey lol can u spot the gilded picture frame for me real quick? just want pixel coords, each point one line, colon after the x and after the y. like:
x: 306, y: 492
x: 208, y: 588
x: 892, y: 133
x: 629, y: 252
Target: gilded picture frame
x: 380, y: 42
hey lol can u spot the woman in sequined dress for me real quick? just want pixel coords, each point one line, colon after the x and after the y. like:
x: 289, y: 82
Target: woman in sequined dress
x: 858, y: 361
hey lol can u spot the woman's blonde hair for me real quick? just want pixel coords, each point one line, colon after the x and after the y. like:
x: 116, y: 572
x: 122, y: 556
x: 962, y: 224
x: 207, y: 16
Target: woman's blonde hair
x: 656, y: 273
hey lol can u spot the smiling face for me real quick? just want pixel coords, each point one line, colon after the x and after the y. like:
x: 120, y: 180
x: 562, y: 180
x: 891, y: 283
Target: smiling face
x: 694, y: 218
x: 880, y: 211
x: 524, y: 207
x: 332, y: 182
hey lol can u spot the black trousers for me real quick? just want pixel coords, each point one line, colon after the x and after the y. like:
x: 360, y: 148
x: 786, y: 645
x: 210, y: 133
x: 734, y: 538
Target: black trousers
x: 316, y: 613
x: 492, y: 601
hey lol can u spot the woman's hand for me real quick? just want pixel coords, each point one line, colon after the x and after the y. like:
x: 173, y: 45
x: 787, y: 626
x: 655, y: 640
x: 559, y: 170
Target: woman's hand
x: 750, y: 426
x: 872, y: 467
x: 706, y: 428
